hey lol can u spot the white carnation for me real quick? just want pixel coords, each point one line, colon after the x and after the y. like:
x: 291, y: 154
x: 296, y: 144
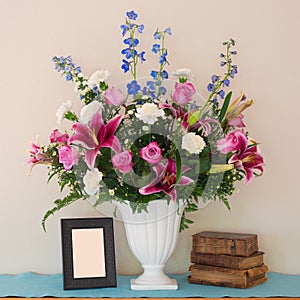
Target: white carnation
x: 183, y: 72
x: 91, y: 181
x: 193, y: 143
x: 148, y: 113
x: 97, y: 77
x: 60, y: 114
x: 88, y: 111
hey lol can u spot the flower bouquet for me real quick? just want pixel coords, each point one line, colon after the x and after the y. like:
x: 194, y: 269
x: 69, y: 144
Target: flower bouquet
x: 152, y: 138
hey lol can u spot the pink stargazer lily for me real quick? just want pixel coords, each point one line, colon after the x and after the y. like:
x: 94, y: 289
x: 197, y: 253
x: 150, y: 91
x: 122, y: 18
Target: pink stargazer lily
x: 233, y: 141
x: 57, y: 137
x: 248, y: 160
x: 37, y: 156
x: 96, y: 135
x: 237, y: 107
x: 165, y: 180
x: 179, y: 113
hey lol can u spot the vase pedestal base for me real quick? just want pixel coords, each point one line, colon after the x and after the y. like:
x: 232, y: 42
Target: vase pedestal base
x: 153, y: 278
x: 172, y: 285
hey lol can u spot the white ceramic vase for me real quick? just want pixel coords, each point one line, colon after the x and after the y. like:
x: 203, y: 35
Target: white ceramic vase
x: 152, y: 238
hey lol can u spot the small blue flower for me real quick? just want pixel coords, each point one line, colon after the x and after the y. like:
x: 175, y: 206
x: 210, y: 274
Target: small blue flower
x: 95, y: 89
x: 128, y: 52
x: 141, y: 56
x: 155, y: 48
x: 222, y: 94
x: 57, y: 67
x: 214, y: 78
x: 78, y: 69
x: 124, y: 28
x: 140, y: 28
x: 151, y: 85
x: 215, y: 101
x: 168, y: 31
x: 164, y: 74
x: 67, y: 69
x: 69, y: 59
x: 153, y: 74
x: 162, y: 90
x: 157, y: 35
x: 233, y: 71
x: 69, y: 77
x: 222, y: 63
x: 125, y: 65
x: 226, y: 82
x: 162, y: 58
x: 193, y: 106
x: 131, y: 15
x: 128, y: 42
x: 210, y: 87
x: 133, y: 87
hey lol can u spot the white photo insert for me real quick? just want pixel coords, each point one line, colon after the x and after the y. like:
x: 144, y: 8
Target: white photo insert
x: 88, y: 253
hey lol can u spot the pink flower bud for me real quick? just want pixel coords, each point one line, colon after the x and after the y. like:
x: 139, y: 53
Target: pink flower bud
x: 113, y: 96
x: 122, y: 161
x: 151, y: 153
x: 183, y: 92
x: 67, y: 156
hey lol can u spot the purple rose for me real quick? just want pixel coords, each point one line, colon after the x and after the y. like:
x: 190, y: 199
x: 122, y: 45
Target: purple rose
x: 151, y: 153
x: 183, y: 92
x: 113, y: 96
x: 122, y: 161
x: 67, y: 156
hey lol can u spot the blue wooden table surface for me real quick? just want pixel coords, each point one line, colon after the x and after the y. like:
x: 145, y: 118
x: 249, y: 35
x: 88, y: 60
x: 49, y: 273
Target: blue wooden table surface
x: 35, y: 285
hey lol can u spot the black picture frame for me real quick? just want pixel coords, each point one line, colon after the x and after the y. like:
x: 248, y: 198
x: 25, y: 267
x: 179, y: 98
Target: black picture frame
x: 88, y: 234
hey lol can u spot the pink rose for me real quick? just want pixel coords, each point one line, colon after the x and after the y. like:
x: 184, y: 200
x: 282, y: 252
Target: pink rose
x: 113, y: 96
x: 233, y: 141
x: 183, y: 92
x: 122, y: 161
x: 57, y: 137
x: 67, y: 156
x: 151, y: 153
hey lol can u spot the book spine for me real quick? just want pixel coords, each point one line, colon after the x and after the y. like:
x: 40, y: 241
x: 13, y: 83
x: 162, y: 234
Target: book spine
x: 225, y: 246
x: 259, y: 280
x: 216, y: 260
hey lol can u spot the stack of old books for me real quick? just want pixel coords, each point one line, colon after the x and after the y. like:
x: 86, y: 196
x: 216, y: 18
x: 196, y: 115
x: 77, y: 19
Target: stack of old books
x: 227, y: 259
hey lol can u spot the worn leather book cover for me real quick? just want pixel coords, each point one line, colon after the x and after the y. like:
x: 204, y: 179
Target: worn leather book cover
x: 226, y: 243
x: 228, y: 261
x: 219, y: 276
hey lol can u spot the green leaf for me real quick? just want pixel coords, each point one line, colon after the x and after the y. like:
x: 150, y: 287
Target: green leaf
x: 59, y: 204
x: 71, y: 116
x: 52, y: 174
x: 103, y: 86
x: 225, y: 106
x: 178, y: 166
x: 194, y: 117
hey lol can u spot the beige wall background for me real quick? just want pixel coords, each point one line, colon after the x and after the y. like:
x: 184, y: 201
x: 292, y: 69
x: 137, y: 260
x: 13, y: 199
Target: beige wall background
x: 267, y: 34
